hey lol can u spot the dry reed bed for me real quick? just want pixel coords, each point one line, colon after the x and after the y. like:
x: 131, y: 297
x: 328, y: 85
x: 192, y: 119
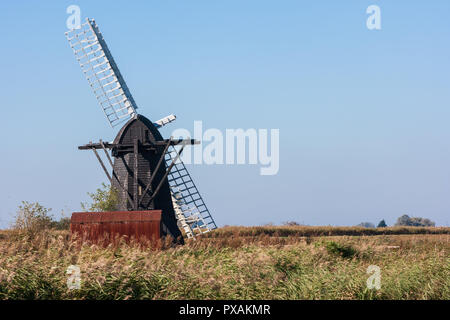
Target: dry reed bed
x: 311, y: 231
x: 229, y: 264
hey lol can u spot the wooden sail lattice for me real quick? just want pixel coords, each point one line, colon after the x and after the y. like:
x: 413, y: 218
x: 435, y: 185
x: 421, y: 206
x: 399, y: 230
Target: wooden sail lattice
x: 191, y: 211
x: 102, y: 73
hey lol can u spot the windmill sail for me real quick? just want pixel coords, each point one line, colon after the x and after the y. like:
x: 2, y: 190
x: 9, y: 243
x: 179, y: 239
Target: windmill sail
x: 102, y: 73
x: 190, y: 209
x: 166, y: 120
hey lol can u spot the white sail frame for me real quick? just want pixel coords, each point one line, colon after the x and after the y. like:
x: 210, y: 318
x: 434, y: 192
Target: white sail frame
x: 102, y: 73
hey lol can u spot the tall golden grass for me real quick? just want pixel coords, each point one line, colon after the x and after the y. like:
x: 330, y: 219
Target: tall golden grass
x: 232, y: 263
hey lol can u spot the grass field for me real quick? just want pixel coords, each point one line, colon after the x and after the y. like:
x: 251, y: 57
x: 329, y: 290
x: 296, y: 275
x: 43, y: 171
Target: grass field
x: 235, y: 263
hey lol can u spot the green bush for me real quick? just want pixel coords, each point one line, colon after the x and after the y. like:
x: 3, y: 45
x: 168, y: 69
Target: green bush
x: 104, y: 199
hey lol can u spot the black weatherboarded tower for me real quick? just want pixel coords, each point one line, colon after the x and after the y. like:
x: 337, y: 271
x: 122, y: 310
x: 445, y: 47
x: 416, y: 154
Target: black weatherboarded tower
x: 139, y: 174
x: 137, y: 155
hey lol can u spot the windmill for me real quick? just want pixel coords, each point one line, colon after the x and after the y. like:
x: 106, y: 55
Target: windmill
x: 147, y: 171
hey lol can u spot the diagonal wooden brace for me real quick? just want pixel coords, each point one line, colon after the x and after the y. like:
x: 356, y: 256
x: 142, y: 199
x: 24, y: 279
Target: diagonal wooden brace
x: 166, y: 174
x: 155, y: 171
x: 113, y: 172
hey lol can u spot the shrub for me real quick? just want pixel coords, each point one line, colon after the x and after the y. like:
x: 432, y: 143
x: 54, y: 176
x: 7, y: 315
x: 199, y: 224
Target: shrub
x: 32, y: 218
x: 104, y: 198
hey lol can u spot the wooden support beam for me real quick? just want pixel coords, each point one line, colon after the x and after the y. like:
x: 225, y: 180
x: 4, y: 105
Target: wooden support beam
x: 96, y: 146
x: 103, y: 165
x: 114, y: 173
x: 178, y: 141
x: 149, y: 146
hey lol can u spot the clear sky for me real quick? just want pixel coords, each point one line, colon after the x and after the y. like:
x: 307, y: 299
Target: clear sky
x: 363, y: 115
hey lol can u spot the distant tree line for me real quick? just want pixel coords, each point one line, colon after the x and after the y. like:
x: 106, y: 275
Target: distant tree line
x: 404, y: 220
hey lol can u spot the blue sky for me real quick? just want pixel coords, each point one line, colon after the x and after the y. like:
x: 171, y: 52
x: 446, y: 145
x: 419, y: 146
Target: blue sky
x: 363, y: 115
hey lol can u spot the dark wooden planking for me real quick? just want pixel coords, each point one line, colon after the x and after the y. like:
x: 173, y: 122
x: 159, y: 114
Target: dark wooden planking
x: 136, y: 173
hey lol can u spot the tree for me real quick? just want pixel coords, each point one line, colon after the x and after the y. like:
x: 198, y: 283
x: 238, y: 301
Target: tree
x: 366, y: 225
x: 382, y: 224
x: 405, y: 220
x: 104, y: 198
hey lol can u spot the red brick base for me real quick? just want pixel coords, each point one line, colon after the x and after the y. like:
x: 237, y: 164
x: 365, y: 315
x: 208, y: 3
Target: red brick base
x: 108, y: 227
